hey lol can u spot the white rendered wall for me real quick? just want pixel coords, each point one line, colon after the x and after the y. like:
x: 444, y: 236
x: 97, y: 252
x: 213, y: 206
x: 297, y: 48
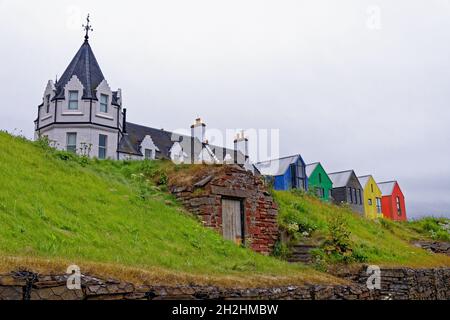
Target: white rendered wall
x: 85, y: 134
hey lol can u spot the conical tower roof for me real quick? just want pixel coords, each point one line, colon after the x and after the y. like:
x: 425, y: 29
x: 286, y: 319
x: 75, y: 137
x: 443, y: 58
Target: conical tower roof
x: 85, y: 66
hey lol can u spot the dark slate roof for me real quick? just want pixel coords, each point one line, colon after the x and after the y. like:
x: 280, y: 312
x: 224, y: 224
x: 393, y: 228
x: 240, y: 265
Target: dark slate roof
x: 164, y: 140
x: 85, y: 67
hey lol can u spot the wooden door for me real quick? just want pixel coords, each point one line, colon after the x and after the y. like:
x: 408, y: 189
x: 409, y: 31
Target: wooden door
x: 231, y: 220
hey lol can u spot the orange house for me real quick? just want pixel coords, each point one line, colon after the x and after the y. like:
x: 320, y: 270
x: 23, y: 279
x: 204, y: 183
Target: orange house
x: 392, y: 201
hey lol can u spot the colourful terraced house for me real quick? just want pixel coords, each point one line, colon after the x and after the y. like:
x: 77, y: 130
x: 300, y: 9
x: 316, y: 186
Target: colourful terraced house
x: 393, y: 201
x: 372, y: 197
x: 285, y: 173
x: 318, y: 181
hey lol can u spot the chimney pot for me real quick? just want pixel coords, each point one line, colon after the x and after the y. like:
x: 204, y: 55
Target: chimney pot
x: 198, y: 130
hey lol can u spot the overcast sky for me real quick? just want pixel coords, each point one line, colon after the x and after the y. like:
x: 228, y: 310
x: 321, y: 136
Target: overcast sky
x: 355, y: 84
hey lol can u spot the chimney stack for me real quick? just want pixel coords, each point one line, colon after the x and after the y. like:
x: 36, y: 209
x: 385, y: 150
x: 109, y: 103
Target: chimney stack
x: 198, y: 130
x: 241, y: 144
x: 119, y: 96
x: 124, y: 120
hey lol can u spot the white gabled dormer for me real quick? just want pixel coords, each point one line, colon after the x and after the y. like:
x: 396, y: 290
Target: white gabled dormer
x: 103, y: 106
x: 177, y: 154
x: 47, y: 110
x: 148, y: 148
x: 73, y: 103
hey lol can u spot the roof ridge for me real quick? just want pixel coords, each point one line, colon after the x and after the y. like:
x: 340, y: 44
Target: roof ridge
x: 340, y: 171
x: 310, y: 164
x: 88, y: 71
x: 183, y: 135
x: 275, y: 159
x: 391, y: 181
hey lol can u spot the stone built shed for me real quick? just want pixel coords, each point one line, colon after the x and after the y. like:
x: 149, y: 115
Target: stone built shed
x: 232, y: 201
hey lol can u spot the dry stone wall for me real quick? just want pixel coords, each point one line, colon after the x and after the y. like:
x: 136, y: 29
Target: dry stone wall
x: 30, y: 286
x: 434, y: 246
x: 400, y: 283
x: 407, y: 284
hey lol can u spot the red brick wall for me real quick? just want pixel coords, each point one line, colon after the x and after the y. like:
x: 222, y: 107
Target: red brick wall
x: 260, y: 210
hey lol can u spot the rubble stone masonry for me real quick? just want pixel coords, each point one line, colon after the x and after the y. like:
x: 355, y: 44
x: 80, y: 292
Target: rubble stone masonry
x: 204, y: 199
x: 399, y: 283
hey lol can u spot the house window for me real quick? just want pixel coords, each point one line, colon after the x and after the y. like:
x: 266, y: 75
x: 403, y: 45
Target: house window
x: 47, y: 103
x: 148, y: 154
x: 104, y: 103
x: 320, y: 192
x: 294, y: 176
x: 71, y: 141
x: 378, y: 205
x: 350, y: 195
x: 399, y: 208
x: 360, y: 196
x: 73, y: 100
x: 371, y: 187
x: 102, y: 146
x: 369, y: 201
x: 355, y: 196
x: 320, y: 177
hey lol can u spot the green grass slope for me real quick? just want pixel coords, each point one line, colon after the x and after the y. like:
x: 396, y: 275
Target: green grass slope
x: 56, y: 209
x: 382, y: 242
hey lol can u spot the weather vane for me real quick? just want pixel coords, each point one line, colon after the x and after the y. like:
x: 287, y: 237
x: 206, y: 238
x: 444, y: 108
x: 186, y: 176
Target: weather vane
x: 87, y: 28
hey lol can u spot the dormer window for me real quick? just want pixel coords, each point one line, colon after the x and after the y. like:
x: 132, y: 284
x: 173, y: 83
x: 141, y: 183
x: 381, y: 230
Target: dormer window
x: 104, y: 103
x: 73, y: 100
x: 148, y: 153
x: 47, y: 103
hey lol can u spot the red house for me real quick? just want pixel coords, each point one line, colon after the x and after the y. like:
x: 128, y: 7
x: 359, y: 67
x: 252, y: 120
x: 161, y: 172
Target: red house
x: 392, y: 201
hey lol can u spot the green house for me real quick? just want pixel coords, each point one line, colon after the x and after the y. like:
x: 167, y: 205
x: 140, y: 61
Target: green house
x: 318, y: 181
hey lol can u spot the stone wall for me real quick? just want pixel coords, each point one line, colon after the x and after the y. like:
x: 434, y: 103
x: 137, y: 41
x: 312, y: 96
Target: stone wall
x: 204, y: 198
x: 407, y: 284
x: 29, y: 286
x: 396, y: 284
x: 434, y: 246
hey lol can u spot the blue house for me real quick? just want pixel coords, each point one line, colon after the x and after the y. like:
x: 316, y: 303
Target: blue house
x: 285, y: 173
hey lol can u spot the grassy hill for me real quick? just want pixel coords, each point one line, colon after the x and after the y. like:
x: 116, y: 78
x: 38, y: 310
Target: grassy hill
x: 384, y: 242
x: 117, y: 219
x: 57, y: 209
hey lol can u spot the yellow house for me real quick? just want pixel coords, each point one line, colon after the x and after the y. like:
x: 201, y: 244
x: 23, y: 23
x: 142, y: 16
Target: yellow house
x: 372, y: 197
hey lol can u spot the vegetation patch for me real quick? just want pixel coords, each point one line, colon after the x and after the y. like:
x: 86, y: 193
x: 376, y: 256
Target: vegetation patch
x: 116, y: 217
x: 346, y: 237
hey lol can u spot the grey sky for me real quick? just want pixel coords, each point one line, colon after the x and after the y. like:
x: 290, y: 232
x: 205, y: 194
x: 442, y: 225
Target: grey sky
x: 350, y: 96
